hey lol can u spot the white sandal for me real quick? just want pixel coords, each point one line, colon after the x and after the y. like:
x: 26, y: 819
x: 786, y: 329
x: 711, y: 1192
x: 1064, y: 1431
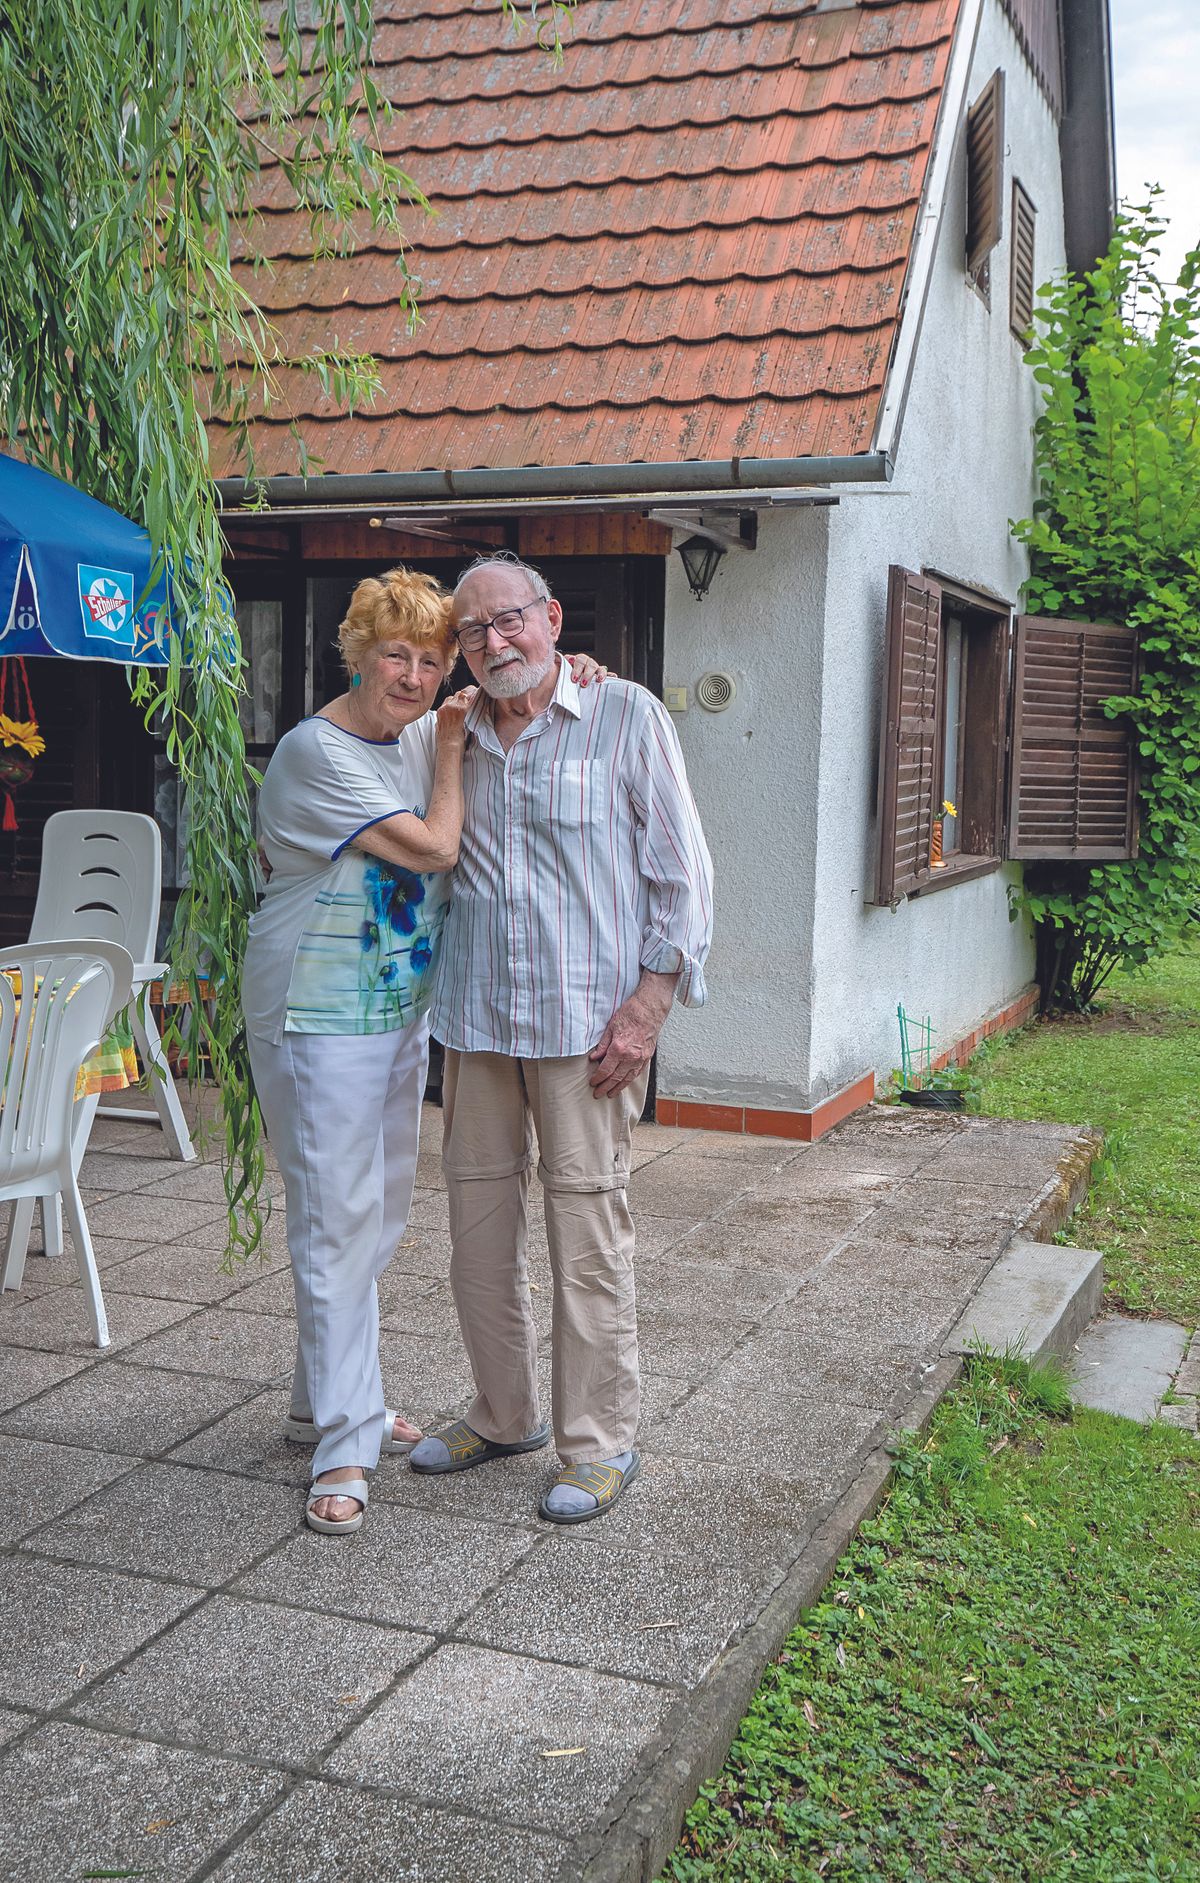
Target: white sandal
x: 304, y: 1432
x: 353, y: 1488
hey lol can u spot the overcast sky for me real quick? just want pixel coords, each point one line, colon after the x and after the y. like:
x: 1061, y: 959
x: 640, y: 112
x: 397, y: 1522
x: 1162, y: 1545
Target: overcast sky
x: 1156, y: 59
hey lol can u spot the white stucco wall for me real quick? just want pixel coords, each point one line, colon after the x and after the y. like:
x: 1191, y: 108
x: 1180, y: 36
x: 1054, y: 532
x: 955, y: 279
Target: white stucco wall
x: 806, y: 975
x: 753, y: 769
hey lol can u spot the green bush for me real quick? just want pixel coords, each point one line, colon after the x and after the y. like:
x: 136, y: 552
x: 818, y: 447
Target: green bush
x: 1115, y: 536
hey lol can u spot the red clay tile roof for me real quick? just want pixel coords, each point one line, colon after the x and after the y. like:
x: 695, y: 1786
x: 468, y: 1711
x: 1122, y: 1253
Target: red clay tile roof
x: 689, y: 242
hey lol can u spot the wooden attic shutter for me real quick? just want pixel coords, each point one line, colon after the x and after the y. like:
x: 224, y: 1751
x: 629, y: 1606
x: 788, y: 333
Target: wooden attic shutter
x: 1073, y: 771
x: 908, y: 759
x: 1022, y: 274
x: 985, y: 172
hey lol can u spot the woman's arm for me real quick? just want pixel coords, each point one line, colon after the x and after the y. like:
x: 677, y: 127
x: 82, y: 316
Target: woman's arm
x: 430, y: 842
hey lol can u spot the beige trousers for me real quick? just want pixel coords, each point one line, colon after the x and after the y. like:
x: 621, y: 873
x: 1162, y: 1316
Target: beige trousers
x: 492, y: 1107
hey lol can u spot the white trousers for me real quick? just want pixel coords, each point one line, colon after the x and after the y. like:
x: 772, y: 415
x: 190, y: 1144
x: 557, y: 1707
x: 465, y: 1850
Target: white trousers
x: 343, y: 1113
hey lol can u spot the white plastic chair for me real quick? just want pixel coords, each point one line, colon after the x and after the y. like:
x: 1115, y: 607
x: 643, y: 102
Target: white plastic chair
x: 101, y: 880
x: 69, y: 995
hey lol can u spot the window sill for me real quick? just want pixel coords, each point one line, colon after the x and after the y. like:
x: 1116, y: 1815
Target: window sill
x: 956, y: 869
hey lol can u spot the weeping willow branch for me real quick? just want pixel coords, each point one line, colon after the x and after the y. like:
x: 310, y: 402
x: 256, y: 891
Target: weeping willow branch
x: 134, y: 140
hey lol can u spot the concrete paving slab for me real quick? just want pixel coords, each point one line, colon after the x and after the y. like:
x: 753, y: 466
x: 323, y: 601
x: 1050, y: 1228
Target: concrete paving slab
x: 26, y: 1373
x: 682, y: 1185
x: 406, y: 1567
x: 179, y: 1272
x: 38, y: 1481
x: 705, y: 1291
x: 863, y: 1370
x: 1187, y: 1380
x: 254, y: 1679
x: 1181, y: 1414
x: 66, y: 1624
x: 469, y: 1723
x: 1038, y: 1297
x: 813, y: 1442
x: 122, y: 1407
x: 662, y: 1618
x: 725, y: 1513
x: 853, y: 1298
x: 196, y: 1526
x: 74, y: 1801
x: 737, y: 1245
x: 322, y: 1832
x: 249, y: 1442
x: 1125, y: 1366
x: 58, y: 1321
x: 969, y: 1217
x: 643, y: 1635
x: 146, y: 1216
x: 227, y: 1343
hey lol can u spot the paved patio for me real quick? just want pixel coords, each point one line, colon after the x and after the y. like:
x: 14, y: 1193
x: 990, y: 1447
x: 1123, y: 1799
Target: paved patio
x: 192, y: 1685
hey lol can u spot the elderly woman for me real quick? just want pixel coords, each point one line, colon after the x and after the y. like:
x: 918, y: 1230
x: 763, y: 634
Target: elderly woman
x: 360, y: 815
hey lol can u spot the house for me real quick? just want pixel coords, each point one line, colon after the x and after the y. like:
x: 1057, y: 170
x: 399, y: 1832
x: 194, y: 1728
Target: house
x: 749, y: 276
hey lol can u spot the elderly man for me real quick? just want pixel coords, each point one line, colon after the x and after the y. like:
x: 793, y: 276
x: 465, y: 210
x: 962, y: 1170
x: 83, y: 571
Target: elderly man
x: 581, y: 908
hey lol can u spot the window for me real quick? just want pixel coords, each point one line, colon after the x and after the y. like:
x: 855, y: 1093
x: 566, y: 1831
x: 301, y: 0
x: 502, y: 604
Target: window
x: 985, y: 179
x: 950, y: 716
x: 1022, y: 274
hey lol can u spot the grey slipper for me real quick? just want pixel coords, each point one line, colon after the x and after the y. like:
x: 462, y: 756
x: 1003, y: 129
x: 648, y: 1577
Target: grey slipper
x: 464, y: 1448
x: 604, y: 1482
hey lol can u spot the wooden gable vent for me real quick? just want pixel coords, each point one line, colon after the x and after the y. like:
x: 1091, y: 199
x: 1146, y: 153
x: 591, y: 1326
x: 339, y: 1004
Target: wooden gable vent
x: 1023, y: 270
x: 1074, y: 782
x: 985, y: 172
x: 911, y: 731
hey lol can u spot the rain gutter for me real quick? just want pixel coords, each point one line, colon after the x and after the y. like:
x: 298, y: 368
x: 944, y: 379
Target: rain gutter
x: 728, y: 475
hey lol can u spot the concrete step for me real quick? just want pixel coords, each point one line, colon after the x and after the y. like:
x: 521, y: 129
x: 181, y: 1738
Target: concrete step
x: 1125, y: 1366
x: 1038, y: 1297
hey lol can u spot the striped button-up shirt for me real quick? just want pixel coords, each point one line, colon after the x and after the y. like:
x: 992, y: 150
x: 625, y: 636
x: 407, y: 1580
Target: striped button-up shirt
x: 582, y: 863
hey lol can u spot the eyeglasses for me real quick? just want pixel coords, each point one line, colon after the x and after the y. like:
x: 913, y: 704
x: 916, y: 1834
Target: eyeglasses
x: 508, y: 624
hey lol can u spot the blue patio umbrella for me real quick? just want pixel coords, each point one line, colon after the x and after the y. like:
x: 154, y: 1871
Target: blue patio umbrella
x: 75, y: 575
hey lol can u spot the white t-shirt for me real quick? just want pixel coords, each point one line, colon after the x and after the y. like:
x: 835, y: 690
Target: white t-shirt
x: 342, y: 942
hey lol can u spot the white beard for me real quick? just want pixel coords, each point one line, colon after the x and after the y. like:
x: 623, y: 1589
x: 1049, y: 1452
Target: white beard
x: 511, y: 678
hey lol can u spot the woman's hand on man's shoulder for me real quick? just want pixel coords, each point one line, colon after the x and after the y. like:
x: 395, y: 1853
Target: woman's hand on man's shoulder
x: 452, y: 713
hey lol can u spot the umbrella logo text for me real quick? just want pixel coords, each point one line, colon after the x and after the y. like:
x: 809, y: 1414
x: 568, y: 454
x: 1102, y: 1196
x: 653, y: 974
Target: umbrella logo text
x: 106, y: 602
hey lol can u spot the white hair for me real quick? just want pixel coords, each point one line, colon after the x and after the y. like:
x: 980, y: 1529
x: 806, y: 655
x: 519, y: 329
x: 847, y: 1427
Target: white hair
x: 505, y: 559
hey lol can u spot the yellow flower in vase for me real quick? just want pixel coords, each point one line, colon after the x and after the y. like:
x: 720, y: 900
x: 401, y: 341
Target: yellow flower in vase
x: 23, y: 733
x: 936, y: 860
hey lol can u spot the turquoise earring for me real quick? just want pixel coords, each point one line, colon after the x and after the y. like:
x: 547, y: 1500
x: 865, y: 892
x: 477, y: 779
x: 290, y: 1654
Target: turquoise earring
x: 355, y: 679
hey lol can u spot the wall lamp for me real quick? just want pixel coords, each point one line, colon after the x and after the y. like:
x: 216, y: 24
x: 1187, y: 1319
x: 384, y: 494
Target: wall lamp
x: 700, y: 556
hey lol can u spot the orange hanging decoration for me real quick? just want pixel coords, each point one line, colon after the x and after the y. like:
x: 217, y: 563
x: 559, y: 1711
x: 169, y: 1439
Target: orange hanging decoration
x: 20, y: 740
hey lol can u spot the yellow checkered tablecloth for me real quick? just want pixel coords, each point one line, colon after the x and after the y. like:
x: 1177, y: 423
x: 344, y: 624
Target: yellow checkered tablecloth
x: 113, y: 1067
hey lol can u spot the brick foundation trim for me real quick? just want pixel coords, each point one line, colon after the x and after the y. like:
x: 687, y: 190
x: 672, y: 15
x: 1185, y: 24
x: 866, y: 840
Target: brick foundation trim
x: 1018, y: 1013
x: 802, y: 1126
x: 805, y: 1127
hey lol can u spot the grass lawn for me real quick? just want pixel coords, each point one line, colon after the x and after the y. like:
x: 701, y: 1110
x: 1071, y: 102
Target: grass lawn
x: 1002, y: 1680
x: 1133, y: 1070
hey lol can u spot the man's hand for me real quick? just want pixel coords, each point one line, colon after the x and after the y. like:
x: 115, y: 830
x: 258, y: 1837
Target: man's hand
x: 628, y: 1041
x: 264, y: 863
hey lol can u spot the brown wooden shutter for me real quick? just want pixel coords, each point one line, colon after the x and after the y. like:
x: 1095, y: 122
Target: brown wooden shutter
x: 1022, y: 285
x: 985, y: 172
x: 909, y: 747
x: 1074, y: 784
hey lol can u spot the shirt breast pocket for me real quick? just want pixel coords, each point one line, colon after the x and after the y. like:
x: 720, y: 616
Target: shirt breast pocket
x: 572, y: 792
